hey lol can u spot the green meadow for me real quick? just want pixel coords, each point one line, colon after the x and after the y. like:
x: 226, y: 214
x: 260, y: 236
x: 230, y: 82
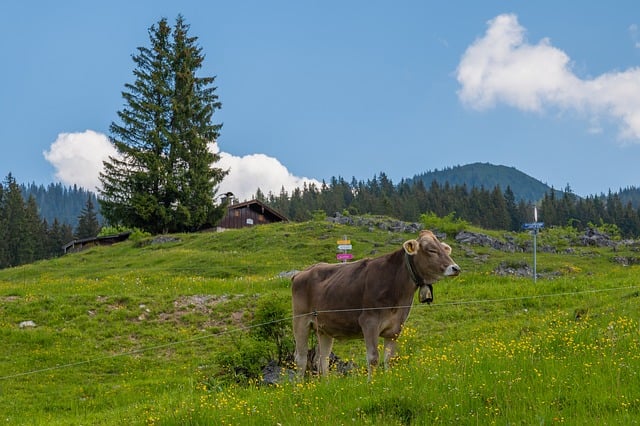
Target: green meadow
x: 153, y: 332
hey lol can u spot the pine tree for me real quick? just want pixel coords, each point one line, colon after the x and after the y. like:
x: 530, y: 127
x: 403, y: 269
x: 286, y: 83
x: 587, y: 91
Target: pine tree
x: 512, y: 209
x: 163, y: 179
x: 31, y: 247
x: 499, y: 217
x: 194, y: 103
x: 56, y: 238
x: 4, y: 250
x: 88, y: 225
x: 13, y: 220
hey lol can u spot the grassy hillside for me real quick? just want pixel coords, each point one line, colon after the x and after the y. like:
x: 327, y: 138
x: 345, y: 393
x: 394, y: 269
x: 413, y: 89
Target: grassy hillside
x: 139, y: 332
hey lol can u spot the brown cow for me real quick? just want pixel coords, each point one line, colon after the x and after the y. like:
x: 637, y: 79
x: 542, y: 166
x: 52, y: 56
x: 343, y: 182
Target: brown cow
x: 370, y: 298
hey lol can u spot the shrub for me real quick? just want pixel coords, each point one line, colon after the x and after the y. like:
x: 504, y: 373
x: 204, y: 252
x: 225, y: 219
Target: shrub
x: 270, y: 338
x: 559, y: 237
x: 244, y: 361
x: 449, y: 224
x: 272, y: 317
x: 136, y: 234
x: 610, y: 229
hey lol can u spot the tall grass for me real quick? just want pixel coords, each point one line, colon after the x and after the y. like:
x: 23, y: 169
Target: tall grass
x: 131, y: 334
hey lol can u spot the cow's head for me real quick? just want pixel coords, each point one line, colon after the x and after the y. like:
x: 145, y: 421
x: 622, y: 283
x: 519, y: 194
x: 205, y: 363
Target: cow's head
x: 428, y: 260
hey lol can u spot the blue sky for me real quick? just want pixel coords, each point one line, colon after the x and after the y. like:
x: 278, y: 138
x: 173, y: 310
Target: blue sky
x: 317, y: 89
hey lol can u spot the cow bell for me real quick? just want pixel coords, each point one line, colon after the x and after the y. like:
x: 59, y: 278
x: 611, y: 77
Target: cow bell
x: 426, y: 293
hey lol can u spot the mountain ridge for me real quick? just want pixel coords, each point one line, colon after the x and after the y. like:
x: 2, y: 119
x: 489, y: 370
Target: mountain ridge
x: 524, y: 187
x: 488, y: 176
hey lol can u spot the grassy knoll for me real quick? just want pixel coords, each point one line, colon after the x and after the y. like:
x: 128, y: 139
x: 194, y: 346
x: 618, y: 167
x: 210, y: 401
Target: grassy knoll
x: 135, y: 334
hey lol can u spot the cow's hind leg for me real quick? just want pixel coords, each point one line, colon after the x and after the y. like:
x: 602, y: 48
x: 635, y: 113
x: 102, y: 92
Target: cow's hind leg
x: 389, y: 350
x: 301, y: 329
x: 325, y: 343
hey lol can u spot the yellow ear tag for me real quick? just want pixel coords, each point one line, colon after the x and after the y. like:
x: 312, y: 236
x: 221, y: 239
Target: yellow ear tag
x: 410, y: 246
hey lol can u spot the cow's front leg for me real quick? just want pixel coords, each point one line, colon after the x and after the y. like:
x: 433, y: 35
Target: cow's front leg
x: 389, y: 350
x: 301, y: 334
x: 371, y: 342
x: 325, y: 343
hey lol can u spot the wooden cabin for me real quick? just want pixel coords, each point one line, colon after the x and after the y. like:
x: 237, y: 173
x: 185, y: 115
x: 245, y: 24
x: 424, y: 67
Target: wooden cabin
x: 107, y: 240
x: 250, y: 213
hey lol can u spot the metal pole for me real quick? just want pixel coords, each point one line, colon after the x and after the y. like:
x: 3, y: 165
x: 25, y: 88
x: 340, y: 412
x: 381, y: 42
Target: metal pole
x: 535, y: 273
x: 535, y: 235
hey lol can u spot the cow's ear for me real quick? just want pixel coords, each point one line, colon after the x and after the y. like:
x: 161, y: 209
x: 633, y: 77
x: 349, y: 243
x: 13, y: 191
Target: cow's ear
x: 411, y: 246
x: 446, y: 247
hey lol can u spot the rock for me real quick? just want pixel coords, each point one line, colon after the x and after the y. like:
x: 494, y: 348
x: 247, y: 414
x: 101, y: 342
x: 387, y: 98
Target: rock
x: 476, y: 238
x: 593, y: 237
x: 626, y: 260
x: 27, y: 324
x: 272, y: 373
x: 521, y: 269
x: 162, y: 239
x: 342, y: 367
x: 335, y: 362
x: 288, y: 274
x: 379, y: 222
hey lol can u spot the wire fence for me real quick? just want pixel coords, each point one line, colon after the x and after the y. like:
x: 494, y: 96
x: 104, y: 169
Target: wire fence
x: 290, y: 318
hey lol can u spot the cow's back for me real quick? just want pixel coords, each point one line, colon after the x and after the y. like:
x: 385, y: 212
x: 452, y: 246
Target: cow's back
x: 329, y: 286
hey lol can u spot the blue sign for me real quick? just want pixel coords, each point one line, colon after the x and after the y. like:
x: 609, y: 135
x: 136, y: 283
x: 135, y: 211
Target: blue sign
x: 533, y: 225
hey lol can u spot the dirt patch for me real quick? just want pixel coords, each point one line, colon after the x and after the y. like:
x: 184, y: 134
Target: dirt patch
x: 208, y: 312
x: 203, y: 303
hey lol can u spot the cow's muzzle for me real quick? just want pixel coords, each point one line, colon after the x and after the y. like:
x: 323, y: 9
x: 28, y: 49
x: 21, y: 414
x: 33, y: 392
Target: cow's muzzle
x: 452, y: 270
x: 426, y: 293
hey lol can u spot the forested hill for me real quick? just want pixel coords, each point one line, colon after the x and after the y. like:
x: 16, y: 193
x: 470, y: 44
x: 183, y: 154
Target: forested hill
x: 59, y: 202
x: 65, y: 204
x: 488, y: 176
x: 630, y: 195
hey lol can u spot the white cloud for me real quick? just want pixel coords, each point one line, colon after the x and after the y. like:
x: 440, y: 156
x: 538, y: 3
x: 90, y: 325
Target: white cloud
x: 250, y: 172
x: 77, y: 159
x: 503, y: 67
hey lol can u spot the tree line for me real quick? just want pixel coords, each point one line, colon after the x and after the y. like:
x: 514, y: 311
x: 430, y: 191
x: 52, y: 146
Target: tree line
x: 25, y: 236
x: 581, y: 213
x: 57, y: 201
x: 493, y: 208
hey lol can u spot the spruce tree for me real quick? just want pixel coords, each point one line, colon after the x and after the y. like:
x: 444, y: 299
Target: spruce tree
x: 33, y: 233
x: 512, y: 209
x: 4, y: 250
x: 163, y: 179
x: 14, y: 223
x: 88, y: 225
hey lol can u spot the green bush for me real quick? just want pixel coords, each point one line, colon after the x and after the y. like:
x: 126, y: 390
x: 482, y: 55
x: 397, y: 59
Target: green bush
x: 270, y: 337
x: 611, y: 229
x: 136, y: 234
x: 273, y: 324
x: 559, y: 237
x: 243, y: 361
x: 319, y: 215
x: 449, y: 224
